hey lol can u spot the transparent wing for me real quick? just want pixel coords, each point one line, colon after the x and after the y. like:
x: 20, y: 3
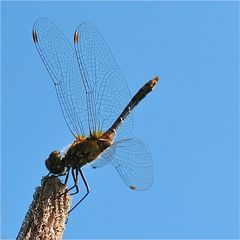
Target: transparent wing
x: 103, y: 159
x: 133, y: 161
x: 60, y: 60
x: 107, y: 91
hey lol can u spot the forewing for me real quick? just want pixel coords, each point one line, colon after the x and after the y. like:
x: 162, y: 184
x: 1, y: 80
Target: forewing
x: 106, y: 88
x: 60, y: 60
x: 133, y: 161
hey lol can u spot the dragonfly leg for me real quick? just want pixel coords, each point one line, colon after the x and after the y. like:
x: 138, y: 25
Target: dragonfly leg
x: 87, y: 187
x: 50, y: 175
x: 67, y: 175
x: 75, y: 179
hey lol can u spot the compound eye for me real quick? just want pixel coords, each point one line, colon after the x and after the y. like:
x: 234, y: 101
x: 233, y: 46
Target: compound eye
x: 54, y: 163
x: 55, y: 155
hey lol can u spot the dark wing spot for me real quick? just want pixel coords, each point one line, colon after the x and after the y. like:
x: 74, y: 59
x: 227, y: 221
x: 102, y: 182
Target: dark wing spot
x: 35, y: 39
x: 75, y: 37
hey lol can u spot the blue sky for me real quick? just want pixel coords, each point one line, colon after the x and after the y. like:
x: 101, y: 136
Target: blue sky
x: 190, y: 121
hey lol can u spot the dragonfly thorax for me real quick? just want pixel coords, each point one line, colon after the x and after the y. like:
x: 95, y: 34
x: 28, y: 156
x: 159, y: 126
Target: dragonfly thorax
x: 86, y: 151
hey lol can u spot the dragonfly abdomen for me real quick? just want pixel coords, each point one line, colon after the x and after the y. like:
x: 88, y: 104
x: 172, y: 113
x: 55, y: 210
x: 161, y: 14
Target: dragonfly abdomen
x: 138, y: 97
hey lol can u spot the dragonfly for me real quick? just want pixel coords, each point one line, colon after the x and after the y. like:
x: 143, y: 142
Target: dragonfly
x: 96, y: 105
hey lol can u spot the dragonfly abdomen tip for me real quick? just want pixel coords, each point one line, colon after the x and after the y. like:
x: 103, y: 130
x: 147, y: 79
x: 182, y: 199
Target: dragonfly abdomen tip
x: 154, y: 81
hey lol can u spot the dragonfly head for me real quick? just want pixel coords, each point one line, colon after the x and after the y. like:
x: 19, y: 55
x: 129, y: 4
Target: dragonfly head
x: 55, y: 163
